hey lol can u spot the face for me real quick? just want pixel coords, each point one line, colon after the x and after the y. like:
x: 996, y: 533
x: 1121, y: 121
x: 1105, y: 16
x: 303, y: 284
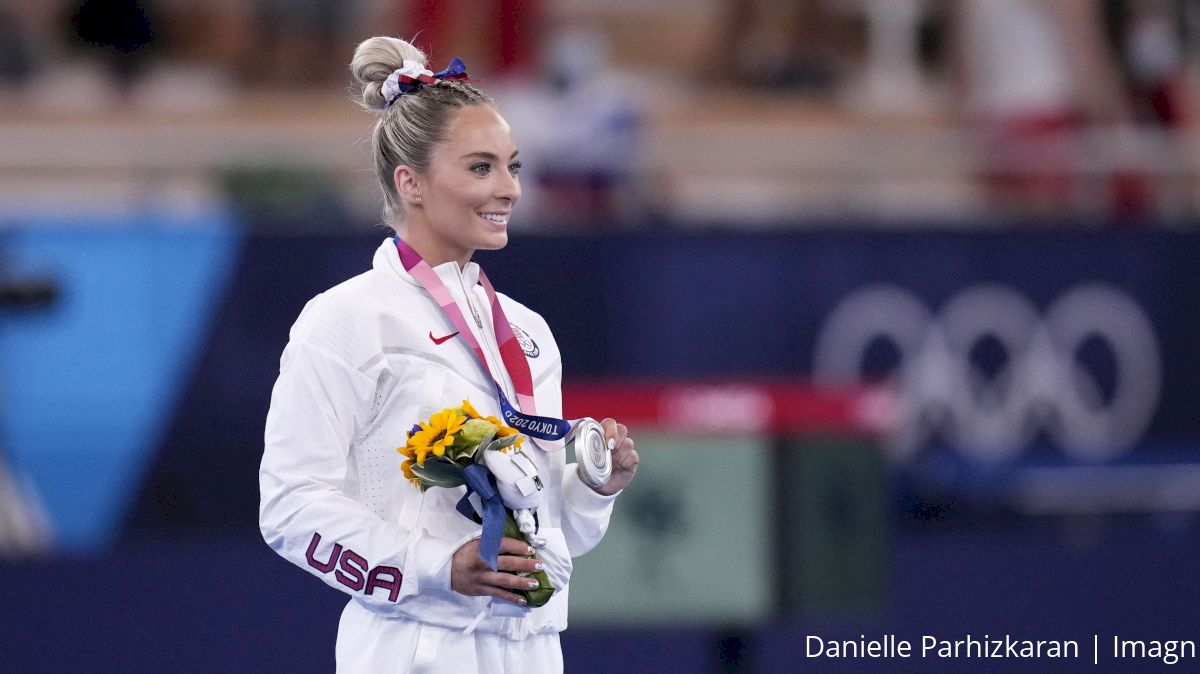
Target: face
x: 463, y: 201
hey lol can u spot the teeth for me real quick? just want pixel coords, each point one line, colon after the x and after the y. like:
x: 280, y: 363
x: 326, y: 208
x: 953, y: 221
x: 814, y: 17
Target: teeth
x: 494, y: 217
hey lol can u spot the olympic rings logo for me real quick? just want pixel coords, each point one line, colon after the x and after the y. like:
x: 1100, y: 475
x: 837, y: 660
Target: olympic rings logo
x: 1042, y: 384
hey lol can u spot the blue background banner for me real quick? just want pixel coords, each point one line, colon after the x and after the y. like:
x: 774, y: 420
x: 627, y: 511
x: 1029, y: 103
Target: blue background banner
x: 91, y: 384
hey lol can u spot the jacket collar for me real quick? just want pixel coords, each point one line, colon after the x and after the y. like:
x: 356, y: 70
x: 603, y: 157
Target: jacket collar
x: 387, y: 260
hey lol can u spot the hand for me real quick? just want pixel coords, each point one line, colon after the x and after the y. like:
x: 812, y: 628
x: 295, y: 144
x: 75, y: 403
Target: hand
x: 471, y: 576
x: 624, y: 457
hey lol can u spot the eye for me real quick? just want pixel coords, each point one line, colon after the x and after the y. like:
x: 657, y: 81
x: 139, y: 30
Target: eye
x: 482, y: 168
x: 514, y: 168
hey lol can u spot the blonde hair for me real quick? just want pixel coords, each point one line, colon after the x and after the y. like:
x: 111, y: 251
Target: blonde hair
x: 408, y: 127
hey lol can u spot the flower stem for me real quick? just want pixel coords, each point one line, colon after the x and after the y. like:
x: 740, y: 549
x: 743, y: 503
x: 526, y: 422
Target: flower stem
x: 540, y: 596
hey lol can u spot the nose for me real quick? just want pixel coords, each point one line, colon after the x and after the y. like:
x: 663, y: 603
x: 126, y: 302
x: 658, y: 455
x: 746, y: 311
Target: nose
x: 508, y: 187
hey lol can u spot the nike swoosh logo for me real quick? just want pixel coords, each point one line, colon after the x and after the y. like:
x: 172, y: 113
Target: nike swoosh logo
x: 439, y: 340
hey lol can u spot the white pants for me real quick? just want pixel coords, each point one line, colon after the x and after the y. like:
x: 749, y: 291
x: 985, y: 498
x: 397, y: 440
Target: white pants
x: 368, y: 643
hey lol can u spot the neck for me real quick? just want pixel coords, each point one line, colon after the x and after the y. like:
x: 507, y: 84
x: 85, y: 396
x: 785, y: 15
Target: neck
x: 432, y: 250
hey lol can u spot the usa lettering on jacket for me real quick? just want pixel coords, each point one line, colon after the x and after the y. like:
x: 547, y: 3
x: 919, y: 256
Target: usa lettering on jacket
x: 354, y: 571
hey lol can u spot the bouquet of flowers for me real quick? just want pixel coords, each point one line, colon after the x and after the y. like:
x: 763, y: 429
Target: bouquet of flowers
x: 459, y: 446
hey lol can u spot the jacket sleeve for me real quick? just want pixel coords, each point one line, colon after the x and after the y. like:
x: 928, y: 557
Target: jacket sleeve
x: 318, y: 406
x: 585, y: 513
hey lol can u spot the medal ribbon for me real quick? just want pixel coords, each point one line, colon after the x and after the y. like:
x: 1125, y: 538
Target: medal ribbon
x: 511, y: 353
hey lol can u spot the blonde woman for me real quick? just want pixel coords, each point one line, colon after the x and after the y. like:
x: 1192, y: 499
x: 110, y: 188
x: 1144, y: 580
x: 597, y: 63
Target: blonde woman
x: 372, y: 356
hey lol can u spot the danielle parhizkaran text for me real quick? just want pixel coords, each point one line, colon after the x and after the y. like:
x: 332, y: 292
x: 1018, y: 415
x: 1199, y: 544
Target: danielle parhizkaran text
x: 889, y: 646
x: 1005, y: 646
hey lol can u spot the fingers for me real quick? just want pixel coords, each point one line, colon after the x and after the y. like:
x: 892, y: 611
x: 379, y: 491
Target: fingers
x: 500, y: 585
x: 471, y: 576
x: 514, y: 558
x: 614, y: 432
x: 507, y: 581
x: 514, y: 564
x: 509, y: 597
x: 625, y: 457
x: 512, y: 546
x: 493, y: 584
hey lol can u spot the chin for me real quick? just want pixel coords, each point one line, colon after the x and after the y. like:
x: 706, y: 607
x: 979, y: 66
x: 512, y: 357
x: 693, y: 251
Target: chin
x: 495, y: 242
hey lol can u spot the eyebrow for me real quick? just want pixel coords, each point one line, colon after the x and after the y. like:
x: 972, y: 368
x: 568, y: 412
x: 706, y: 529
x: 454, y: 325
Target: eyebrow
x: 487, y: 155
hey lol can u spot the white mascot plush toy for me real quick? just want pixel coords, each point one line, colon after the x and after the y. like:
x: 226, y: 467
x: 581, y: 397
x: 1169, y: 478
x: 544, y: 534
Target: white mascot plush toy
x: 520, y: 488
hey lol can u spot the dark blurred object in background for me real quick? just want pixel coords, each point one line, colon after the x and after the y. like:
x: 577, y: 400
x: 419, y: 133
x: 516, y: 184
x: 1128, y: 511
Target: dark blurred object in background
x: 299, y: 42
x: 27, y: 294
x: 16, y: 59
x: 122, y: 33
x: 795, y: 45
x: 1150, y: 37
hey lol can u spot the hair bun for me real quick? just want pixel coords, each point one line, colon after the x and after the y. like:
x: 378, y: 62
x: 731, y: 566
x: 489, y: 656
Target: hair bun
x: 374, y: 60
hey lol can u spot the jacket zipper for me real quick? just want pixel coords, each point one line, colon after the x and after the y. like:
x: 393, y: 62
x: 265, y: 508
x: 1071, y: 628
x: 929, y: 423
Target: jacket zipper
x: 489, y: 344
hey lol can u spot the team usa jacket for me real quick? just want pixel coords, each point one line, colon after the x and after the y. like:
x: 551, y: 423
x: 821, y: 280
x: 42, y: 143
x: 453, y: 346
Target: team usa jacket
x: 366, y: 360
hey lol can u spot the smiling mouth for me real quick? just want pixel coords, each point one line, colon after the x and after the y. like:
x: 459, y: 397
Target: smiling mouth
x: 496, y: 218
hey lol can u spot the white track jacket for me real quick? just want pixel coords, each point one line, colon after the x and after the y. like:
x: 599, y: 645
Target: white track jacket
x: 366, y: 360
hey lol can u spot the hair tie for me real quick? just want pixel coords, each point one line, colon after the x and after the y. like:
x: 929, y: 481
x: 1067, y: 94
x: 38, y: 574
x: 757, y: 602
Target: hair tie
x: 412, y: 76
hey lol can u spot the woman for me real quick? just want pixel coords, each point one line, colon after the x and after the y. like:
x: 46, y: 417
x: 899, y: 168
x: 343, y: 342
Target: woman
x: 375, y: 354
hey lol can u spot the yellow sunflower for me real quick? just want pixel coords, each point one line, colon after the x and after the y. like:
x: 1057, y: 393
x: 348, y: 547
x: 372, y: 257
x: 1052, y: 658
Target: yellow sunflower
x: 435, y: 436
x: 406, y: 468
x: 470, y: 410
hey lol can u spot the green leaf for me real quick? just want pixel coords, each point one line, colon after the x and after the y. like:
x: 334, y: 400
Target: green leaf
x: 545, y: 590
x: 439, y: 471
x: 510, y: 526
x: 540, y: 596
x: 501, y: 443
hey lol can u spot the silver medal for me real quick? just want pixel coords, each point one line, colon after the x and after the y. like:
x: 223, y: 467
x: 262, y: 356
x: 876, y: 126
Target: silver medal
x: 586, y: 440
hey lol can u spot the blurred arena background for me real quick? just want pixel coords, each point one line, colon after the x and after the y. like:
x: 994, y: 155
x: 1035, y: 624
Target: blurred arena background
x: 899, y: 297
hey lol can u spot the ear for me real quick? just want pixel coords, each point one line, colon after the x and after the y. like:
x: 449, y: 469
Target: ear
x: 408, y: 183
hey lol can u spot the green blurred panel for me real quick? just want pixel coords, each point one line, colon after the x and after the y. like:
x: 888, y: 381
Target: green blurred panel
x: 833, y: 529
x: 689, y: 539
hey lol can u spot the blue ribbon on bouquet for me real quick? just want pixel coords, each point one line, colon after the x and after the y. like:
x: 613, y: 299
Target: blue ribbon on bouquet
x: 481, y: 481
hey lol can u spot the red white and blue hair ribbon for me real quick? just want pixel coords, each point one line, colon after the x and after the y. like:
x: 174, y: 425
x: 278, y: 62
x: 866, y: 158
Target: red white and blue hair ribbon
x: 413, y: 75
